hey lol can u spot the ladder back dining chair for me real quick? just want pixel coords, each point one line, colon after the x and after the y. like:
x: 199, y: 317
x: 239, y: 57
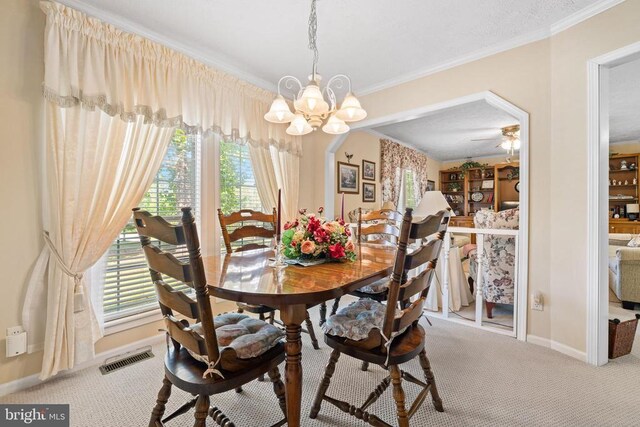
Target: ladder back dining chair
x: 390, y: 335
x: 205, y: 356
x: 380, y: 227
x: 259, y: 226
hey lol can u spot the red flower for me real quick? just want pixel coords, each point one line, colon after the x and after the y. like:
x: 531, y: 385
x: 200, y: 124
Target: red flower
x: 320, y: 235
x: 341, y: 221
x: 313, y: 225
x: 287, y: 225
x: 336, y: 251
x: 320, y: 209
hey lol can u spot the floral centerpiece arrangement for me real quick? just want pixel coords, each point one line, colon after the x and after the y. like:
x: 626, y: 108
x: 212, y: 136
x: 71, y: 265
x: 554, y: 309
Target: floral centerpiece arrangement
x: 312, y: 237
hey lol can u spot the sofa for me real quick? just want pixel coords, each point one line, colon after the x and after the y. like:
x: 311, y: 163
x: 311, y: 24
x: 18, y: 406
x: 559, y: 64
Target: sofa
x: 624, y: 270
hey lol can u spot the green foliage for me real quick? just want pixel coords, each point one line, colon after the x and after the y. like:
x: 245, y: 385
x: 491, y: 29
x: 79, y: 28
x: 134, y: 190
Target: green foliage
x: 470, y: 164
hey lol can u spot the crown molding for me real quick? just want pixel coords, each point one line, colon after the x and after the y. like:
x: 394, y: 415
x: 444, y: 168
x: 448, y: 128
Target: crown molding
x: 207, y: 58
x: 212, y: 60
x: 583, y: 15
x: 535, y: 36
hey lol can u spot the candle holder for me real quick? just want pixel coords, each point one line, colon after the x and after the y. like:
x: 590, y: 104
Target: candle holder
x: 278, y: 259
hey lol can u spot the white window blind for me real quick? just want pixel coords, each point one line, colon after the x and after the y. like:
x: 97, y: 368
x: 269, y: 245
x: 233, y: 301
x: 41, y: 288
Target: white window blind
x: 128, y: 288
x: 238, y: 187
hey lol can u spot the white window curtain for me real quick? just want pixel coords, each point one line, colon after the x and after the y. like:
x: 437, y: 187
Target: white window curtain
x: 273, y: 170
x: 113, y: 100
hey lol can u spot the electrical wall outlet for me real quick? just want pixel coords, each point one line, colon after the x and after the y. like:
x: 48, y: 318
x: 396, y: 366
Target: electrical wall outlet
x: 537, y: 302
x: 16, y: 341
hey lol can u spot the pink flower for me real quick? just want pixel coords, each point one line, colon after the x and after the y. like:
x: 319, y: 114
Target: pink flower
x: 313, y: 225
x: 349, y: 247
x: 307, y: 247
x: 336, y: 251
x: 302, y: 211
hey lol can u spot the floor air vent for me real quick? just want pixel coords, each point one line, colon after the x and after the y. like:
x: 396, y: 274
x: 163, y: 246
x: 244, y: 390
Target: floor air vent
x: 124, y: 360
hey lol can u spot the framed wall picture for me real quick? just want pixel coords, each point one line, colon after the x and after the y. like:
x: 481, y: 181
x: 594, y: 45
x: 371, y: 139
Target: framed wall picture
x: 487, y: 184
x: 431, y: 185
x: 368, y: 192
x: 368, y: 170
x: 348, y: 178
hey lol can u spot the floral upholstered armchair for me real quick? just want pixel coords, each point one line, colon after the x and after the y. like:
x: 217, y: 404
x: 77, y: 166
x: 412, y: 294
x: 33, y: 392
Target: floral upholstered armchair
x: 500, y: 252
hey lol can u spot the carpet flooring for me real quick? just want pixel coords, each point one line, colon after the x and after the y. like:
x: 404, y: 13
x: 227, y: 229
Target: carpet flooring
x: 484, y: 379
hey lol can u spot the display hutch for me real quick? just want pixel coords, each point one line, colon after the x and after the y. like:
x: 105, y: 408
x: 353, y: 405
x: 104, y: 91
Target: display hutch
x: 478, y: 188
x: 623, y: 194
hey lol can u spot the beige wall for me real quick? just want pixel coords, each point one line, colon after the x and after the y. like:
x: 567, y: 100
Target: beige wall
x: 21, y: 117
x: 366, y: 146
x: 548, y: 80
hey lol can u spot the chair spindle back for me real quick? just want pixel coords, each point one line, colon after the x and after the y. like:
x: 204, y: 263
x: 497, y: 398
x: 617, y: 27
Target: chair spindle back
x: 401, y: 289
x: 386, y: 224
x: 249, y: 230
x: 189, y: 273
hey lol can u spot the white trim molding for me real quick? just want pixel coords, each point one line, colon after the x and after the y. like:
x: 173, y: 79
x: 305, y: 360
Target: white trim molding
x: 559, y: 347
x: 597, y: 196
x: 33, y: 380
x: 497, y: 102
x: 212, y: 59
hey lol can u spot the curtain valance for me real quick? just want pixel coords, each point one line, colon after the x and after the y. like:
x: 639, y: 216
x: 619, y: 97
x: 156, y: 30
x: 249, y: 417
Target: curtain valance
x: 100, y: 66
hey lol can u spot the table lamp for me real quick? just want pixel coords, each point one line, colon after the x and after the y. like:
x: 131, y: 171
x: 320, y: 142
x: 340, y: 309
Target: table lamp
x: 431, y: 203
x: 633, y: 211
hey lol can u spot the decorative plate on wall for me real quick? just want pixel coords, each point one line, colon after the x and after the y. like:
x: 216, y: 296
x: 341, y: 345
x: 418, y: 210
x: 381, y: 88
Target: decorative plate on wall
x: 477, y: 197
x: 518, y: 186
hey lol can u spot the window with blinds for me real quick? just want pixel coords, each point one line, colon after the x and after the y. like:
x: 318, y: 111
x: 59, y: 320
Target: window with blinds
x: 128, y: 289
x: 238, y: 187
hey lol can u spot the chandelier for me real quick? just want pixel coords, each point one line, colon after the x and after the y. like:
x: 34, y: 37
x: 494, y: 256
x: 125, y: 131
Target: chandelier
x: 511, y: 138
x: 311, y: 104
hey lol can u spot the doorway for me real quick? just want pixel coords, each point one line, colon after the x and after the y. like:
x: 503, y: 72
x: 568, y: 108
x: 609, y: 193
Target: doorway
x: 605, y: 198
x: 518, y: 327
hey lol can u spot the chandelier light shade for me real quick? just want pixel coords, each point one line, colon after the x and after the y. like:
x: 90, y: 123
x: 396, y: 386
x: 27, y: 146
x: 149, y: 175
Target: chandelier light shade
x: 313, y: 104
x: 279, y: 111
x: 299, y: 126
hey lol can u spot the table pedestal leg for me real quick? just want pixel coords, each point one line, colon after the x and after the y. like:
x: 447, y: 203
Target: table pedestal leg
x: 293, y: 316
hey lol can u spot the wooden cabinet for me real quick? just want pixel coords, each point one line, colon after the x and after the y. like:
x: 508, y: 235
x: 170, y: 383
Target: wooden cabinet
x: 623, y: 183
x: 480, y: 188
x: 624, y: 226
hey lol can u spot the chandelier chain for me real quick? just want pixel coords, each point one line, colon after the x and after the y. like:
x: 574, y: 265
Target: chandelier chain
x: 313, y: 34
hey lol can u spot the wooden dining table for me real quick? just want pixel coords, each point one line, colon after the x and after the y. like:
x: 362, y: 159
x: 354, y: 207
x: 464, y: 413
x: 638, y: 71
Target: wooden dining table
x: 249, y: 277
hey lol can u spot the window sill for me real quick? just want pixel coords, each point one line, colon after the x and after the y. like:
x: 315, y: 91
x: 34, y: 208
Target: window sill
x: 130, y: 322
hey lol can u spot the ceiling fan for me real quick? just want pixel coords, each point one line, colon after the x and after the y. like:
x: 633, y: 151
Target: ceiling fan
x: 510, y: 139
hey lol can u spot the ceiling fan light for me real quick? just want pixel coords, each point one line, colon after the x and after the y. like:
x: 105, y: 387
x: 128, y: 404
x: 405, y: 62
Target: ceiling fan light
x: 516, y: 144
x: 335, y: 126
x: 299, y: 126
x: 506, y: 145
x: 351, y: 110
x: 279, y: 111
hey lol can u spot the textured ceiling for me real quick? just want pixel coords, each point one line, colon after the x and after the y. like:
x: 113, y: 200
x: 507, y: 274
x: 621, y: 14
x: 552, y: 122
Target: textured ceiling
x: 376, y: 42
x: 624, y: 102
x: 448, y: 134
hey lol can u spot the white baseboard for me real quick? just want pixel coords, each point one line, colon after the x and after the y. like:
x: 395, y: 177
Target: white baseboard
x: 33, y: 380
x: 559, y: 347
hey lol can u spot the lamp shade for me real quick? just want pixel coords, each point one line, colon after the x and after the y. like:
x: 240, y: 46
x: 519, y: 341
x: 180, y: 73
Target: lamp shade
x: 431, y: 203
x: 299, y: 126
x: 335, y: 126
x: 279, y: 111
x: 311, y: 102
x: 633, y: 208
x: 351, y: 110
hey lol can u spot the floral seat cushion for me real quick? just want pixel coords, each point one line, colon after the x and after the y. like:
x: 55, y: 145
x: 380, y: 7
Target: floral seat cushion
x: 377, y: 287
x: 356, y: 320
x: 249, y: 337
